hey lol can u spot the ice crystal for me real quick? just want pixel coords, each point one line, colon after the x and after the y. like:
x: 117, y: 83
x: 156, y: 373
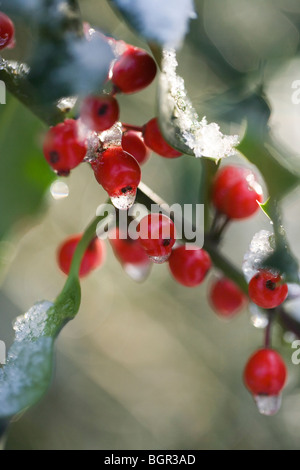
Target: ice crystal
x: 32, y: 325
x: 259, y: 249
x: 112, y: 137
x: 202, y: 138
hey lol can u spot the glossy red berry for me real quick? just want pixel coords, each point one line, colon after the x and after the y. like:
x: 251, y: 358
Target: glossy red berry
x: 99, y: 113
x: 134, y: 70
x: 236, y: 192
x: 63, y: 149
x: 155, y: 141
x: 267, y: 290
x: 265, y: 373
x: 119, y: 174
x: 133, y: 143
x: 7, y: 31
x: 93, y: 258
x: 127, y: 250
x: 157, y: 236
x: 226, y: 298
x: 189, y: 266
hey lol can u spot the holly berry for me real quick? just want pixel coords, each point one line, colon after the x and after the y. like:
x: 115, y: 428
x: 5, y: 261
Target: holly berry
x: 134, y: 70
x: 99, y: 113
x: 267, y: 290
x: 236, y: 193
x: 127, y: 250
x: 265, y: 373
x: 7, y: 31
x: 63, y: 149
x: 226, y: 298
x: 93, y: 257
x: 155, y: 141
x: 119, y: 174
x: 189, y: 266
x: 157, y: 236
x: 133, y: 143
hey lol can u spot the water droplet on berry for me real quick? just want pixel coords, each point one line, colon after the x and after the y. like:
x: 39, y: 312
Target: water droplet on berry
x: 138, y: 272
x: 160, y: 259
x: 258, y: 317
x: 124, y: 201
x: 59, y: 190
x: 268, y: 405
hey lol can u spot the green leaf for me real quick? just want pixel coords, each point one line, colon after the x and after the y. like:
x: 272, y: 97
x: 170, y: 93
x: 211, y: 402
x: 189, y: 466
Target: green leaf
x: 71, y: 66
x: 162, y: 22
x: 25, y: 175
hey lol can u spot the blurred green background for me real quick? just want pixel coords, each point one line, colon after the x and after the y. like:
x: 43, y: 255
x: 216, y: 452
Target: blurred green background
x: 149, y: 366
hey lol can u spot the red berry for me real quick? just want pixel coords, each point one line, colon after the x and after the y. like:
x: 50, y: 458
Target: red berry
x: 267, y: 290
x: 99, y: 113
x: 226, y: 298
x: 63, y: 149
x: 93, y: 257
x: 127, y: 250
x: 156, y: 142
x: 189, y: 266
x: 7, y: 31
x: 133, y: 143
x: 236, y: 192
x: 119, y: 173
x: 157, y: 236
x: 265, y: 373
x: 134, y: 70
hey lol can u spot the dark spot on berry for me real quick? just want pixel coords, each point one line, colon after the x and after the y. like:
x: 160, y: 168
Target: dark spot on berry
x: 271, y: 285
x: 166, y: 242
x: 102, y: 110
x: 126, y: 189
x: 63, y: 173
x: 54, y: 156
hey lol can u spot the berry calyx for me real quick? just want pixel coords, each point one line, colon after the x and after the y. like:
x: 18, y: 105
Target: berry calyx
x: 189, y: 266
x: 99, y: 113
x: 226, y: 298
x: 155, y: 141
x: 157, y: 236
x: 267, y: 290
x: 236, y: 193
x: 265, y: 373
x: 7, y: 32
x: 93, y: 257
x: 119, y: 174
x: 63, y: 149
x: 133, y: 143
x: 134, y: 70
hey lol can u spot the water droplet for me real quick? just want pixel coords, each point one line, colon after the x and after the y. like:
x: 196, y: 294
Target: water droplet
x: 112, y: 137
x: 289, y: 337
x: 124, y: 201
x: 138, y: 272
x: 268, y: 405
x: 159, y: 259
x: 59, y: 190
x: 258, y: 317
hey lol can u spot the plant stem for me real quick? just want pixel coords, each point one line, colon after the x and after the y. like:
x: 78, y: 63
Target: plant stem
x: 130, y: 127
x: 268, y: 330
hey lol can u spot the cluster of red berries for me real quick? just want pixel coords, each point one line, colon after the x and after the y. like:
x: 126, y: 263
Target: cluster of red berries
x: 235, y: 195
x: 116, y: 166
x: 7, y: 32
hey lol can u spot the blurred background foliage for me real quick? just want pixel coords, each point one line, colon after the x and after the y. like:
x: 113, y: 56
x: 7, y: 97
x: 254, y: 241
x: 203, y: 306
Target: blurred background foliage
x: 150, y: 365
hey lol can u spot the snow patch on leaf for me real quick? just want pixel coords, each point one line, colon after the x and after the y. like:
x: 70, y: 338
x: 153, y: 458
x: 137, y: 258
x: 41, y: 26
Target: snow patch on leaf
x: 161, y: 21
x: 180, y: 122
x: 261, y: 246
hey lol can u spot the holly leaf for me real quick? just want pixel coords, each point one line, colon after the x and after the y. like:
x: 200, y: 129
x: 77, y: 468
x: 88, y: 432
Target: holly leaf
x: 161, y: 22
x: 25, y: 175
